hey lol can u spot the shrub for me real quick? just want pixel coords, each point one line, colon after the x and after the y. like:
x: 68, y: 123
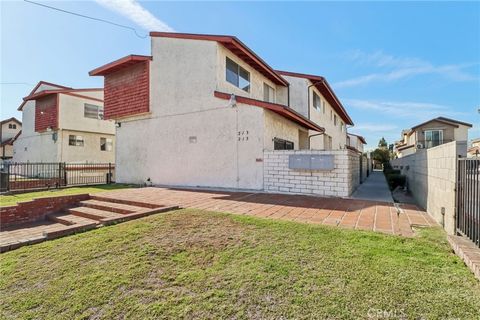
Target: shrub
x: 396, y: 179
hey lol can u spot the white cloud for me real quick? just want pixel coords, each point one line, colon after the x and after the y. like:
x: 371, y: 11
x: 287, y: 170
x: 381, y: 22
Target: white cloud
x: 419, y: 111
x: 134, y: 11
x: 397, y: 68
x: 374, y: 127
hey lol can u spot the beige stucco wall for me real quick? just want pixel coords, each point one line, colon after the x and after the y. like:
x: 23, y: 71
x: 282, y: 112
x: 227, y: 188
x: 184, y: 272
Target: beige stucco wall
x: 71, y: 114
x: 36, y: 147
x: 277, y: 127
x: 8, y: 133
x: 431, y: 176
x: 324, y: 118
x: 6, y: 151
x: 90, y: 152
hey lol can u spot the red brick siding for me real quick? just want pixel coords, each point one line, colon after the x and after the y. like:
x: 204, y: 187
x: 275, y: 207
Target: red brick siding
x: 127, y: 91
x: 37, y: 209
x: 46, y: 113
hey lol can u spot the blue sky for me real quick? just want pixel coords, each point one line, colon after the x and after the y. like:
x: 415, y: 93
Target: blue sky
x: 392, y: 65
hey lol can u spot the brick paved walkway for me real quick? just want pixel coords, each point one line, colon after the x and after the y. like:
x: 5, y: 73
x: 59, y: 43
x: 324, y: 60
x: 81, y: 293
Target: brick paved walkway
x: 348, y: 213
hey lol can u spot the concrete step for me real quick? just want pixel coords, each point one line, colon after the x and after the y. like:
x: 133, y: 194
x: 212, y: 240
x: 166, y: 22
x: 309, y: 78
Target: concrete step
x: 126, y: 202
x: 69, y: 219
x: 93, y: 214
x: 111, y: 206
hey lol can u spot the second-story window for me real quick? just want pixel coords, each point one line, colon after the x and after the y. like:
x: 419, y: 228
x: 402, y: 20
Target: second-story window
x: 237, y: 76
x: 12, y: 126
x: 317, y: 103
x: 324, y: 106
x: 335, y: 120
x: 93, y: 111
x: 106, y: 144
x: 76, y: 141
x: 268, y: 93
x: 342, y: 126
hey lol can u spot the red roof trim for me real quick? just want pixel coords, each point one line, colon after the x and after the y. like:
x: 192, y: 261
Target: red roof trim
x: 38, y: 86
x: 277, y: 108
x: 352, y: 148
x: 236, y: 46
x: 362, y: 139
x: 323, y: 86
x: 405, y: 147
x: 451, y: 122
x: 11, y: 140
x: 118, y: 64
x: 67, y: 92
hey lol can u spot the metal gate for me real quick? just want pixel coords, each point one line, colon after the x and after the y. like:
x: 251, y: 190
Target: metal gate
x: 468, y: 199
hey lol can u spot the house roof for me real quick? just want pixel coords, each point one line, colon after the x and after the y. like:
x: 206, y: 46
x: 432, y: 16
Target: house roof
x: 405, y: 147
x: 448, y: 121
x: 70, y: 92
x: 38, y: 86
x: 119, y: 64
x: 11, y: 140
x: 10, y: 119
x: 473, y: 150
x: 322, y: 85
x: 233, y: 44
x: 362, y: 139
x: 282, y: 110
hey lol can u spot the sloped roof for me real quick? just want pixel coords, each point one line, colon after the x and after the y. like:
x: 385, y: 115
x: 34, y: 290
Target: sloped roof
x: 10, y: 119
x: 322, y: 85
x: 119, y: 64
x: 448, y: 121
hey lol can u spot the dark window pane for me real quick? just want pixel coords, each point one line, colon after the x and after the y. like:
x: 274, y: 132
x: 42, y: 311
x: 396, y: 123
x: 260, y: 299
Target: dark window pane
x: 244, y: 81
x: 232, y: 72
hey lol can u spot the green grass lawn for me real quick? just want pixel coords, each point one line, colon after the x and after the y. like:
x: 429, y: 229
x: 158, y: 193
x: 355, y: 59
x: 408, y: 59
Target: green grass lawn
x: 10, y: 200
x: 191, y: 264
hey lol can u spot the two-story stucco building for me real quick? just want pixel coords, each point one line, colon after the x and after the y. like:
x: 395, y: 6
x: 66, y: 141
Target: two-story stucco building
x: 356, y: 142
x: 62, y: 124
x: 10, y: 129
x: 313, y: 98
x: 201, y: 111
x: 430, y: 134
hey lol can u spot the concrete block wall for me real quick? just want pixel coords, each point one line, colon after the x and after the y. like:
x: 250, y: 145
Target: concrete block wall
x: 339, y: 182
x: 431, y: 177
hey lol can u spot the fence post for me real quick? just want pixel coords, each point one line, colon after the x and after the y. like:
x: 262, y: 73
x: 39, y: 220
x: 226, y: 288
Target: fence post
x: 109, y: 177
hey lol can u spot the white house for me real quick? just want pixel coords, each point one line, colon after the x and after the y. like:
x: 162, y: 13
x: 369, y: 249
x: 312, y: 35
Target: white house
x: 62, y: 124
x: 356, y: 142
x: 200, y: 111
x: 10, y: 129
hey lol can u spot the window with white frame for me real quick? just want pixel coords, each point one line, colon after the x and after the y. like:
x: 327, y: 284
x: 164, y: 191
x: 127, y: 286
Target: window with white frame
x: 268, y: 93
x: 76, y: 141
x: 106, y: 144
x: 93, y: 111
x: 433, y: 138
x: 317, y: 103
x: 237, y: 76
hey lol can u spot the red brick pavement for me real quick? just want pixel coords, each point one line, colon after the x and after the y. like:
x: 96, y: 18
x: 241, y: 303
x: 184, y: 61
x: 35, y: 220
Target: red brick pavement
x: 347, y: 213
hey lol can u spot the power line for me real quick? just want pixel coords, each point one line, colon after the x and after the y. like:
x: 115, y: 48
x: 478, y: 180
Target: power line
x: 88, y: 17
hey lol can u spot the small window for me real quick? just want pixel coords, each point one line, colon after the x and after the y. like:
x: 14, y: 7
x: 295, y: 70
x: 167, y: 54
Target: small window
x: 12, y: 126
x: 317, y: 103
x: 335, y: 120
x: 342, y: 126
x: 331, y: 115
x: 93, y: 111
x: 75, y: 141
x: 280, y: 144
x: 106, y: 144
x: 268, y: 93
x: 324, y: 106
x: 237, y: 76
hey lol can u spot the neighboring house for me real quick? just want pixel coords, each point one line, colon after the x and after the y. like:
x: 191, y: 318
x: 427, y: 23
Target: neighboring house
x: 356, y: 142
x: 9, y: 131
x: 62, y: 124
x: 430, y: 134
x: 474, y: 150
x: 313, y: 97
x: 200, y: 111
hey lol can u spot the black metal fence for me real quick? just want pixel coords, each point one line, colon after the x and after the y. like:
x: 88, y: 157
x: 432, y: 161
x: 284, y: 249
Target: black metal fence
x: 30, y: 176
x: 468, y: 199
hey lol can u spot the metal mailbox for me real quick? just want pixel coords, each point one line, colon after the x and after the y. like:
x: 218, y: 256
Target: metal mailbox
x: 311, y: 162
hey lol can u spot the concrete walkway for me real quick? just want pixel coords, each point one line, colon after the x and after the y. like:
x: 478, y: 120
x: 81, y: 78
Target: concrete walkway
x: 374, y: 188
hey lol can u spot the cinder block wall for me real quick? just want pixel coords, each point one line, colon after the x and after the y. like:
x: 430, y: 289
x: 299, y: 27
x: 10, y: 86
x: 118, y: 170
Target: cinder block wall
x: 431, y: 177
x: 339, y: 182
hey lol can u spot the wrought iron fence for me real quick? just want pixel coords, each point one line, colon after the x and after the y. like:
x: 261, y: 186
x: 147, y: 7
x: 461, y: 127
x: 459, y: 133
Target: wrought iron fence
x: 468, y: 199
x: 30, y: 176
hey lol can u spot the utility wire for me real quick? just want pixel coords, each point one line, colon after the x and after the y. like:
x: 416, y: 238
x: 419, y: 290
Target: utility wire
x: 88, y: 17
